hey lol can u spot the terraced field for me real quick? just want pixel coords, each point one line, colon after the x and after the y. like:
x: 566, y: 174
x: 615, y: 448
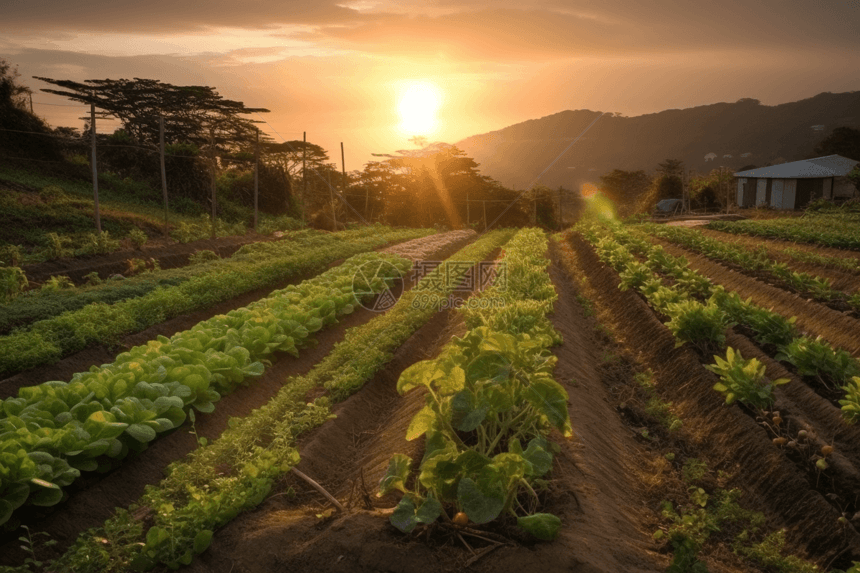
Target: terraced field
x: 606, y: 399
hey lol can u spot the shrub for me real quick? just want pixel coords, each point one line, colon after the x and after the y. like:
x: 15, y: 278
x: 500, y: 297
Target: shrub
x: 138, y: 237
x: 58, y: 283
x: 99, y: 244
x: 203, y: 256
x: 13, y: 281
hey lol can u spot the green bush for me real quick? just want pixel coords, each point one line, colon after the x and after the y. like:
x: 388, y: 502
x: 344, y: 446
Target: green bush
x: 138, y: 237
x: 13, y: 281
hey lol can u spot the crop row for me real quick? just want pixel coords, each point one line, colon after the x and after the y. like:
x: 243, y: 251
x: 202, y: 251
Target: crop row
x: 198, y: 496
x: 703, y: 324
x: 487, y: 394
x: 758, y: 260
x: 254, y: 266
x: 840, y: 231
x: 39, y: 304
x: 52, y: 432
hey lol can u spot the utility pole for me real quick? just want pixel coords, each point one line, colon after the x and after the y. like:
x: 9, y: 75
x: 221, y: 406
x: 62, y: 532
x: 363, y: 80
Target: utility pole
x: 485, y: 215
x: 468, y: 219
x: 343, y: 172
x: 163, y: 171
x: 534, y: 207
x: 95, y: 168
x: 31, y: 104
x: 256, y: 174
x: 331, y: 199
x: 212, y: 163
x: 304, y: 172
x: 560, y: 210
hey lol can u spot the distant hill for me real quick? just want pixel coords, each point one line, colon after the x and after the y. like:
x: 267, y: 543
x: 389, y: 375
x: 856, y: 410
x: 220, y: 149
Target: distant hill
x: 751, y: 133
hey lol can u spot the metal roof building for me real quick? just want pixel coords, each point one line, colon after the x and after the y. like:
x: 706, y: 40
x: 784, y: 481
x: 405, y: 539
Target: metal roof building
x: 793, y: 185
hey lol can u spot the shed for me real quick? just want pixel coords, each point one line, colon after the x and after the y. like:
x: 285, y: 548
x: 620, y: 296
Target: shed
x: 793, y: 185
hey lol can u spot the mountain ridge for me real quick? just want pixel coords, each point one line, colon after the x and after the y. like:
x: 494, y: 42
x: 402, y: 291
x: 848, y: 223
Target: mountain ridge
x: 516, y: 155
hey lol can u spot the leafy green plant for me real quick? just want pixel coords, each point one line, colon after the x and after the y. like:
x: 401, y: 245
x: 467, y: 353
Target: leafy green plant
x: 487, y: 394
x: 702, y: 325
x: 202, y: 256
x: 57, y: 246
x: 815, y: 357
x: 137, y: 237
x: 851, y: 402
x: 13, y: 281
x: 93, y: 278
x: 744, y: 380
x: 59, y: 282
x: 99, y: 244
x: 11, y: 255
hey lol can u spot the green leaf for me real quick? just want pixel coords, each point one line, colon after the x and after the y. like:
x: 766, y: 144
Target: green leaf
x: 404, y: 517
x: 481, y: 502
x: 538, y: 456
x: 550, y: 399
x: 141, y: 432
x: 202, y: 541
x: 156, y: 536
x: 16, y: 494
x: 466, y: 415
x: 422, y: 422
x: 544, y: 526
x: 430, y: 510
x: 397, y: 474
x: 6, y: 510
x: 419, y: 374
x: 46, y: 497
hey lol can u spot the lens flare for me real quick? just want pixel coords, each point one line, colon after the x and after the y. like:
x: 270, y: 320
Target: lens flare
x: 418, y: 103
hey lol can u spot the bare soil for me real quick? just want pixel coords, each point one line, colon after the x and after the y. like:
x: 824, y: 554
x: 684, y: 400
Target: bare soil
x: 730, y: 439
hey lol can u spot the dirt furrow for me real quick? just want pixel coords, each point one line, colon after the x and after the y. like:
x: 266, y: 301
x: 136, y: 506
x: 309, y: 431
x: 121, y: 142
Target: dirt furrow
x: 842, y: 280
x: 731, y: 439
x: 812, y: 318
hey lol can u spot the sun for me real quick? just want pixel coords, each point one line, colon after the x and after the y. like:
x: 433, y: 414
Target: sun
x: 418, y: 102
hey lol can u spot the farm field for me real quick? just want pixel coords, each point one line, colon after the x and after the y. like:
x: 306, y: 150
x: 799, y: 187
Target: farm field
x: 609, y: 398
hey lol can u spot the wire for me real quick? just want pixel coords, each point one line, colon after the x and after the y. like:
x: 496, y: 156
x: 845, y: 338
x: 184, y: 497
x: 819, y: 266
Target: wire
x: 60, y: 104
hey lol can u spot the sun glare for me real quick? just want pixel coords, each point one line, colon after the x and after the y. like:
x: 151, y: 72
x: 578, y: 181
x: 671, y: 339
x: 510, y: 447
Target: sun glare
x: 417, y: 105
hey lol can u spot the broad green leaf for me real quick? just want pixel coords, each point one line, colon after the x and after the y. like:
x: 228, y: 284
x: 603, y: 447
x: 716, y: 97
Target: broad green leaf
x: 141, y: 432
x: 538, y: 455
x: 202, y: 541
x: 419, y: 374
x: 397, y: 474
x: 466, y: 414
x: 156, y: 536
x: 6, y: 510
x: 544, y: 526
x: 482, y: 503
x: 46, y: 497
x: 404, y: 517
x: 550, y: 399
x: 429, y: 511
x: 422, y: 422
x: 16, y: 494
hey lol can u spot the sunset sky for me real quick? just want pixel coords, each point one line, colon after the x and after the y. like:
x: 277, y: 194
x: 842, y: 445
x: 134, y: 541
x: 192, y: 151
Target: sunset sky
x: 341, y: 70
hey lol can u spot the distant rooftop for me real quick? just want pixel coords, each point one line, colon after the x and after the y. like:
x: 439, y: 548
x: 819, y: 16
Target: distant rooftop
x: 829, y: 166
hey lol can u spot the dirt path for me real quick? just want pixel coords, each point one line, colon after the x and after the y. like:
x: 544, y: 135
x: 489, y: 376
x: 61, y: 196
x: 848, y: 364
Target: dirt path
x: 812, y: 318
x: 726, y: 437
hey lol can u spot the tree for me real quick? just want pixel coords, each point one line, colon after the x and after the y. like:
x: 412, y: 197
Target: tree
x: 843, y: 141
x: 624, y: 188
x: 22, y: 134
x: 191, y: 113
x: 714, y: 189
